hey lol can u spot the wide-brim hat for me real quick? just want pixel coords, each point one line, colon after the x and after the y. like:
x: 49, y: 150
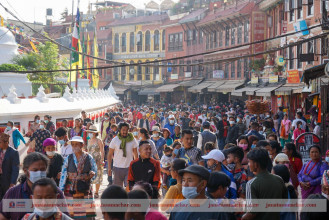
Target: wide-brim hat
x: 76, y: 139
x: 92, y: 129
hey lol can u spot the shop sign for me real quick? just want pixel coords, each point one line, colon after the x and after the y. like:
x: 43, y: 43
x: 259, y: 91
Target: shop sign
x: 303, y: 144
x: 254, y: 80
x: 174, y: 76
x: 218, y: 74
x: 274, y: 79
x: 301, y: 26
x: 258, y: 33
x: 279, y: 101
x: 293, y: 76
x: 188, y: 74
x: 280, y: 61
x: 284, y: 26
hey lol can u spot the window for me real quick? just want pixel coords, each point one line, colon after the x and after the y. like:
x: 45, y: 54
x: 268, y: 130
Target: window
x: 310, y: 49
x: 132, y: 42
x: 233, y: 36
x: 123, y: 43
x: 239, y: 68
x: 291, y: 10
x: 189, y: 37
x: 195, y: 36
x: 116, y: 74
x: 220, y: 38
x: 291, y: 58
x: 188, y: 68
x: 123, y: 72
x: 227, y: 35
x: 156, y: 72
x: 195, y: 68
x: 200, y: 37
x: 102, y: 28
x: 246, y: 67
x: 132, y: 72
x: 147, y: 41
x: 324, y: 46
x: 147, y: 72
x: 299, y: 9
x: 246, y: 31
x: 207, y: 41
x: 181, y: 68
x: 215, y: 39
x: 163, y: 40
x: 239, y: 34
x: 139, y: 41
x: 174, y: 68
x: 211, y: 40
x: 310, y: 7
x: 139, y: 71
x: 226, y: 70
x: 116, y: 43
x: 299, y: 51
x: 175, y: 41
x: 233, y: 70
x: 156, y: 40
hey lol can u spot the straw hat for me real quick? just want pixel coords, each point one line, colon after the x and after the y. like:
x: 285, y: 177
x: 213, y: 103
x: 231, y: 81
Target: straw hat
x: 92, y: 129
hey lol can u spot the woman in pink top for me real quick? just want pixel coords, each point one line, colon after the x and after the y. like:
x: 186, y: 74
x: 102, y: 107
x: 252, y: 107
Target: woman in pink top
x: 298, y: 131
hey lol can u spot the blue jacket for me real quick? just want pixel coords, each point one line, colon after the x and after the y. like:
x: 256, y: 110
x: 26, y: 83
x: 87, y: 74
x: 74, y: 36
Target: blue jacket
x: 232, y: 191
x: 171, y: 128
x: 17, y: 137
x: 257, y: 134
x: 10, y: 168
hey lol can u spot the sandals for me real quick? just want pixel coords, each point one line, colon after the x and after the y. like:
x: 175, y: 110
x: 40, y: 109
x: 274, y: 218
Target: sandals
x: 96, y: 196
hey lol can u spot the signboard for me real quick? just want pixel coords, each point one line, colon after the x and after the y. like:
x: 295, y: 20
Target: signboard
x: 304, y: 142
x: 279, y: 101
x: 301, y: 26
x: 293, y: 76
x: 188, y: 74
x: 284, y: 27
x: 138, y: 56
x: 258, y: 31
x: 254, y: 80
x: 218, y: 74
x: 174, y: 76
x: 274, y: 79
x: 169, y: 68
x: 280, y: 61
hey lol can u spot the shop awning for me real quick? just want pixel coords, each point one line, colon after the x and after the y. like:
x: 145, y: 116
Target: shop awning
x: 266, y: 91
x: 247, y: 90
x: 213, y: 87
x: 289, y: 89
x: 313, y: 73
x: 200, y: 87
x: 189, y: 83
x: 230, y: 86
x: 148, y: 91
x: 307, y: 89
x: 167, y: 88
x: 120, y: 90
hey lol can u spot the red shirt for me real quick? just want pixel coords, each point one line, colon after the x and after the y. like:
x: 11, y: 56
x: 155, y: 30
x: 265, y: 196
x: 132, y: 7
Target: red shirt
x: 139, y: 115
x: 296, y: 163
x: 225, y: 129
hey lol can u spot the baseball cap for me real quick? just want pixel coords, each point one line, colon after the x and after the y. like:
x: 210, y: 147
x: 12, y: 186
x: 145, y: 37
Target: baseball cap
x: 215, y: 154
x: 196, y: 170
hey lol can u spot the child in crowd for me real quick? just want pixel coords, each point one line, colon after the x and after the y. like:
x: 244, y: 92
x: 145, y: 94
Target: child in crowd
x: 166, y: 161
x: 235, y: 156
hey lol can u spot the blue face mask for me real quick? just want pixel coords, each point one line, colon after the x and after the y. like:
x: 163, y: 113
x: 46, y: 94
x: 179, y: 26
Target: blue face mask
x: 45, y: 213
x: 36, y: 175
x: 253, y: 146
x: 190, y: 192
x: 41, y: 126
x: 46, y: 121
x: 37, y: 121
x: 176, y: 151
x: 8, y: 128
x: 61, y: 142
x: 327, y: 159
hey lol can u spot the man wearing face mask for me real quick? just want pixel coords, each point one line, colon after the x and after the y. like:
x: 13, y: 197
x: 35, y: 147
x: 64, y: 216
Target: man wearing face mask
x: 171, y: 125
x: 15, y: 135
x: 9, y: 165
x: 206, y: 136
x: 35, y: 167
x: 233, y: 131
x: 203, y: 116
x: 194, y: 182
x: 158, y: 140
x: 45, y: 193
x: 65, y: 147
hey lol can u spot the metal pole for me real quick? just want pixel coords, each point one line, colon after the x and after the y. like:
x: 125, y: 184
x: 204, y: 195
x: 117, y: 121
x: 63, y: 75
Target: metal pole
x: 71, y: 45
x: 76, y: 76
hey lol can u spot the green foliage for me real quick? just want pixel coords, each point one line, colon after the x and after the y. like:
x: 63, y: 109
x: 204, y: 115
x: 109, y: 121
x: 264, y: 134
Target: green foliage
x: 257, y: 64
x: 12, y: 67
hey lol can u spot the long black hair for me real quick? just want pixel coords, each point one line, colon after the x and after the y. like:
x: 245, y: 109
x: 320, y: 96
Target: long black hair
x: 145, y: 132
x: 292, y: 147
x: 30, y: 159
x: 283, y: 171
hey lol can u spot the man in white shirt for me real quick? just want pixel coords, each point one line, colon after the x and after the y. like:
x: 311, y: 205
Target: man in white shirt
x: 299, y: 116
x: 65, y: 148
x: 203, y: 116
x: 123, y: 150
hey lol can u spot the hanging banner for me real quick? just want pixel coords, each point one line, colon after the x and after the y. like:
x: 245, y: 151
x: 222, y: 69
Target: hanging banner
x: 304, y: 142
x: 293, y: 76
x: 218, y: 74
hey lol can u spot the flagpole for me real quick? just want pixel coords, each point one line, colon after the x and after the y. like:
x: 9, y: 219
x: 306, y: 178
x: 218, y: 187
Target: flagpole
x: 71, y: 46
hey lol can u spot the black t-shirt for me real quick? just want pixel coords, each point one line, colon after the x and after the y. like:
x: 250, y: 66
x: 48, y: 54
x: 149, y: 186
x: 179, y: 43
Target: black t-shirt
x: 85, y: 121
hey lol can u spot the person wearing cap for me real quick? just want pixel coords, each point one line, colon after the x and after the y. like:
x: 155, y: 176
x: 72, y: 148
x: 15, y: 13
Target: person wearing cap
x: 215, y: 159
x: 171, y: 124
x: 158, y: 140
x: 264, y: 186
x: 15, y: 135
x: 206, y: 136
x: 194, y: 183
x: 78, y: 171
x: 143, y: 122
x: 56, y: 160
x: 96, y: 149
x: 9, y: 165
x: 39, y: 136
x: 167, y: 136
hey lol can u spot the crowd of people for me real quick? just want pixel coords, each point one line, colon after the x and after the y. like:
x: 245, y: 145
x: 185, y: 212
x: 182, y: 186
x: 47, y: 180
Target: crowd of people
x: 178, y: 153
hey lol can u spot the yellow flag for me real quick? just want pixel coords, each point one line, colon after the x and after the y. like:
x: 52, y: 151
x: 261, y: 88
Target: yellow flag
x: 74, y: 65
x: 1, y: 21
x: 34, y: 47
x: 88, y: 59
x: 95, y: 75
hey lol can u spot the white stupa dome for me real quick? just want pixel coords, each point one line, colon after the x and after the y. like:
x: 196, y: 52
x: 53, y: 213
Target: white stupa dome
x: 8, y: 46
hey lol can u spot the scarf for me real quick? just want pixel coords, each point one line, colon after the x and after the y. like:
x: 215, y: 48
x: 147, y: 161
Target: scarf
x: 286, y: 126
x: 124, y: 141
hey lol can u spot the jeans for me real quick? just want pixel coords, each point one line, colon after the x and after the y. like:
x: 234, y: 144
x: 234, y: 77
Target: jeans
x: 221, y: 143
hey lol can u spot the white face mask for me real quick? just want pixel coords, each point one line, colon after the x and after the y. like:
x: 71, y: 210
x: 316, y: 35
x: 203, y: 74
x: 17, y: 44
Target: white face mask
x: 172, y: 121
x: 51, y: 153
x: 156, y: 135
x: 232, y: 122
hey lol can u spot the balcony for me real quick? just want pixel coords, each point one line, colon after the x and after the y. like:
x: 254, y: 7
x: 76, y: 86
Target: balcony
x: 266, y: 4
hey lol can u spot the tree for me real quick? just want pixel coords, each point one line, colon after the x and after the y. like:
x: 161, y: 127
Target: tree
x: 11, y: 67
x: 64, y: 14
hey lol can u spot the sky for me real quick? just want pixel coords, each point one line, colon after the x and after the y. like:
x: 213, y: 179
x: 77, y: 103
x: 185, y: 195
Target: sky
x: 35, y: 10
